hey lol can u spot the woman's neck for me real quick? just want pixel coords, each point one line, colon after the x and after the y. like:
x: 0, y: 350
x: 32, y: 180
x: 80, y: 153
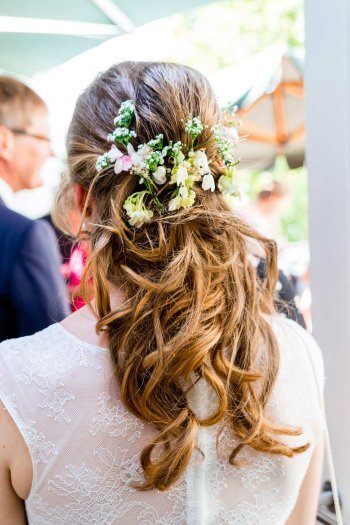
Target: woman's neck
x: 82, y: 323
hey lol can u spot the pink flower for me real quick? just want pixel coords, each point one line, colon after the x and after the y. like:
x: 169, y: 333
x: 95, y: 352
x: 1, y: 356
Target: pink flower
x: 124, y: 163
x: 127, y: 162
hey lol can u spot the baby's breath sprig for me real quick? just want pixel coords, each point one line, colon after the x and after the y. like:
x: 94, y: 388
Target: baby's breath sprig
x: 174, y: 151
x: 125, y: 114
x: 121, y: 136
x: 102, y: 162
x: 171, y: 168
x: 153, y: 160
x: 194, y: 127
x: 227, y: 183
x: 224, y: 145
x: 157, y: 143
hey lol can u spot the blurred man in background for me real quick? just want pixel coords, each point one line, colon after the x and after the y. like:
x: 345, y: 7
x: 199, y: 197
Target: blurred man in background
x: 264, y: 214
x: 32, y: 291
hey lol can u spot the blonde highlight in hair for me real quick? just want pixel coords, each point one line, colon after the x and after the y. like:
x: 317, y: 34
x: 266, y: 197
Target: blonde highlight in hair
x: 194, y: 306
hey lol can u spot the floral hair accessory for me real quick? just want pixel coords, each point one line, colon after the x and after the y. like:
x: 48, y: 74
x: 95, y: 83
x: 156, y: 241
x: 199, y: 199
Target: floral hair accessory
x: 173, y: 166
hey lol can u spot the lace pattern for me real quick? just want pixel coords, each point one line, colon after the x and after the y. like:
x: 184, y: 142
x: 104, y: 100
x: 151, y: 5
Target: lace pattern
x: 85, y: 445
x: 115, y: 420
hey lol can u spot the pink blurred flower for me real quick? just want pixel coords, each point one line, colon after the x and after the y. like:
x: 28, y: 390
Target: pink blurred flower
x: 123, y: 163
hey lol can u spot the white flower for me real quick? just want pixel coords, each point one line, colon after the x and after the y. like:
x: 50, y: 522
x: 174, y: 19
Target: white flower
x: 134, y: 155
x: 183, y: 192
x: 138, y: 217
x: 189, y: 200
x: 200, y: 161
x: 114, y: 153
x: 180, y: 157
x: 174, y: 204
x: 125, y: 113
x: 184, y: 199
x: 144, y: 151
x: 179, y: 175
x: 122, y: 133
x: 156, y: 143
x: 159, y: 175
x: 136, y: 210
x: 208, y: 182
x: 165, y: 150
x: 118, y: 167
x: 130, y: 149
x: 127, y: 106
x: 124, y: 163
x: 227, y: 183
x: 121, y: 161
x: 224, y: 145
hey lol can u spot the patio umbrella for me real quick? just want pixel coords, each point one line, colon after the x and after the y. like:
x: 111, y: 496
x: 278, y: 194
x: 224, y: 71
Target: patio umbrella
x: 38, y: 34
x: 270, y: 107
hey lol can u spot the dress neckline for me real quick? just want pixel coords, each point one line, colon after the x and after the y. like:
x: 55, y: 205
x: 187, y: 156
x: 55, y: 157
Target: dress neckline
x: 79, y: 341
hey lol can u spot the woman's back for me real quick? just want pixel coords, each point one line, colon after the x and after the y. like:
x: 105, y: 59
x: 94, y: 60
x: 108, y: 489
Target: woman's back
x: 85, y: 446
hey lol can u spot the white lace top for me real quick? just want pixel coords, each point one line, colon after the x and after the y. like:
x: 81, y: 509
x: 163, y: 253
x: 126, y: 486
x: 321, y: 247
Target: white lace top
x: 85, y: 445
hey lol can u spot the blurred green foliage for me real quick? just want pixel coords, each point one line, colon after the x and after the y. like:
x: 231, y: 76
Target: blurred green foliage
x: 224, y: 33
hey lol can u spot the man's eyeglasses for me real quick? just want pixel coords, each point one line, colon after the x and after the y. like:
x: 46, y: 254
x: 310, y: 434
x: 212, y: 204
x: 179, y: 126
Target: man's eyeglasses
x: 23, y: 132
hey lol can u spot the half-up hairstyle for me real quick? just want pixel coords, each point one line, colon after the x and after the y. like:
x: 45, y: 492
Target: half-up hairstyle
x: 194, y: 306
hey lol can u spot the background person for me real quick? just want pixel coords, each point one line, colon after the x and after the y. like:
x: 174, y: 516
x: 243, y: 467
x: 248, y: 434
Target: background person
x: 264, y: 214
x: 32, y: 291
x: 74, y: 256
x: 181, y: 381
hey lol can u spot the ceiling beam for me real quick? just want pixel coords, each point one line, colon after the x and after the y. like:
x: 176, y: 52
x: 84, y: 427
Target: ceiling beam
x: 11, y: 24
x: 115, y: 14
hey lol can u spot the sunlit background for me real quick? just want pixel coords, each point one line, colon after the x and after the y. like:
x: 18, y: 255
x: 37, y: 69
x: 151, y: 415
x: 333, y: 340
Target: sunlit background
x: 239, y: 47
x: 221, y: 40
x: 242, y: 48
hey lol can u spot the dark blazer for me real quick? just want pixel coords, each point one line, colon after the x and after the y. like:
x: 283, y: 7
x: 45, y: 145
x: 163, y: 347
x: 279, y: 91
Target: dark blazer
x: 32, y: 291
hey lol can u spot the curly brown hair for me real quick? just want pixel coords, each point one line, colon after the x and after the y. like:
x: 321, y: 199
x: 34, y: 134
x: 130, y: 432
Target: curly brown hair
x: 194, y: 306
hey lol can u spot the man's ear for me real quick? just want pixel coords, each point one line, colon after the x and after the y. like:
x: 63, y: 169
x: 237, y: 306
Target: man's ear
x: 7, y: 143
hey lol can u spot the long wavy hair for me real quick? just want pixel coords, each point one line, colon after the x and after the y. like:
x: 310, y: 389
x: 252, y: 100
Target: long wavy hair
x: 194, y: 306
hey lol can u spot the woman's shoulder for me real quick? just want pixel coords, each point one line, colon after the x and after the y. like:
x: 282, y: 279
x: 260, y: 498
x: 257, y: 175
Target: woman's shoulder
x: 24, y: 346
x: 299, y: 345
x: 49, y: 376
x: 46, y: 359
x: 24, y: 360
x: 41, y: 344
x: 53, y: 339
